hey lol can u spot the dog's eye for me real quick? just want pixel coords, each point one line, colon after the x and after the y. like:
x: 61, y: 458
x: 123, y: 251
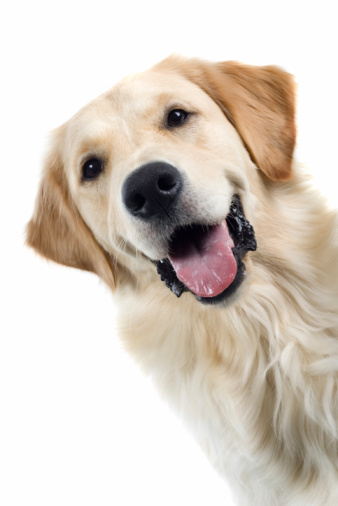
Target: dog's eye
x: 177, y: 118
x: 91, y: 169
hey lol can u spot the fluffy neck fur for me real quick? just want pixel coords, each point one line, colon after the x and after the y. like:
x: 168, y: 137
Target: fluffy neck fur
x: 257, y: 382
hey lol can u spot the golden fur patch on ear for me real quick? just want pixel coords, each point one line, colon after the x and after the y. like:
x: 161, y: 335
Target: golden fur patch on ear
x: 259, y: 101
x: 58, y: 232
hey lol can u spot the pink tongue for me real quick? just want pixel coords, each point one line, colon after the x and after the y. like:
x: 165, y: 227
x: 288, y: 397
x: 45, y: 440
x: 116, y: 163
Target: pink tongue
x: 203, y: 259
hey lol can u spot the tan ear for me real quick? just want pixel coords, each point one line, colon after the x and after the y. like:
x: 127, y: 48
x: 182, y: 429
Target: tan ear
x: 259, y: 101
x: 57, y: 230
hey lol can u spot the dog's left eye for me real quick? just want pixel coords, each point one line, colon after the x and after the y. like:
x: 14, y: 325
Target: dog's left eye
x: 91, y: 169
x: 177, y: 118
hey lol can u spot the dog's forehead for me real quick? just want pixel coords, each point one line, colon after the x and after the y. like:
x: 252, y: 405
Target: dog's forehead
x: 139, y: 95
x: 152, y: 87
x: 134, y: 104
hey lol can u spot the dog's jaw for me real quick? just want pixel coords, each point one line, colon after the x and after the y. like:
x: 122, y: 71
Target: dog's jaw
x: 243, y: 237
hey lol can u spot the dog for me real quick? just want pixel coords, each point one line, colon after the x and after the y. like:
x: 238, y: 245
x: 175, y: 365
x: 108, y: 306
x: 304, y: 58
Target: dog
x: 178, y: 188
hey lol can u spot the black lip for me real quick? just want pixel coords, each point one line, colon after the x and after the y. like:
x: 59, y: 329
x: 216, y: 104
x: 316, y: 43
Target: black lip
x: 243, y: 235
x: 241, y: 231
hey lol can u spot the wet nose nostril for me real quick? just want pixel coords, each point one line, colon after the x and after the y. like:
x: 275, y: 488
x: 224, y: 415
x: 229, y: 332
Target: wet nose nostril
x: 137, y: 202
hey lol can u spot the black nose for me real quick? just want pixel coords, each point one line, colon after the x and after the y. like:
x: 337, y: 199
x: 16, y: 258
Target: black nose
x: 152, y: 190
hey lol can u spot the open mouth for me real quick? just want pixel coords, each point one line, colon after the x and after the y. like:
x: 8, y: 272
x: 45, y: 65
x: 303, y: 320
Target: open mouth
x: 208, y: 260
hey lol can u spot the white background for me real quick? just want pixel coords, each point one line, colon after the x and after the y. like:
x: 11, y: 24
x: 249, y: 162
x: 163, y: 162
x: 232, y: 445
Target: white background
x: 79, y: 425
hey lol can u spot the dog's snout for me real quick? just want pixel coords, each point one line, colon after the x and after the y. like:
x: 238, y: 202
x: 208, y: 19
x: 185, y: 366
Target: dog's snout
x: 152, y: 190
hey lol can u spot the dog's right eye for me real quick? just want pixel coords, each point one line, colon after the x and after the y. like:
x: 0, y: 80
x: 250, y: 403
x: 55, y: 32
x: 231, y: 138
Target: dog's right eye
x: 177, y: 118
x: 91, y: 169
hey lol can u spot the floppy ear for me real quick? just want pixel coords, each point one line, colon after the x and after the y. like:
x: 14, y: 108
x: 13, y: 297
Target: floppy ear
x: 57, y: 230
x: 260, y: 103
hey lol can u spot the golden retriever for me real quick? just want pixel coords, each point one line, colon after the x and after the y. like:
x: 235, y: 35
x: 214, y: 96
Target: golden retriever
x: 178, y: 188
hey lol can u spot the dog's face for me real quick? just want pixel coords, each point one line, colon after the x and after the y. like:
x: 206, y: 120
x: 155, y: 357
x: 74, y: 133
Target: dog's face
x: 142, y: 163
x: 157, y: 171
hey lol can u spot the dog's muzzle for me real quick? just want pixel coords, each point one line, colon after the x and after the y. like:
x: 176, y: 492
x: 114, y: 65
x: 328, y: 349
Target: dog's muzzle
x: 205, y: 260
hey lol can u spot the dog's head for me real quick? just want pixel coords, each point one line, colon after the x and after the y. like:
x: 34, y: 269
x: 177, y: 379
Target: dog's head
x: 158, y: 174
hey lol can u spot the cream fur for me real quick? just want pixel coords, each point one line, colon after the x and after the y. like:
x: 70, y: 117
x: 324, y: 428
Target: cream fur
x: 257, y: 381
